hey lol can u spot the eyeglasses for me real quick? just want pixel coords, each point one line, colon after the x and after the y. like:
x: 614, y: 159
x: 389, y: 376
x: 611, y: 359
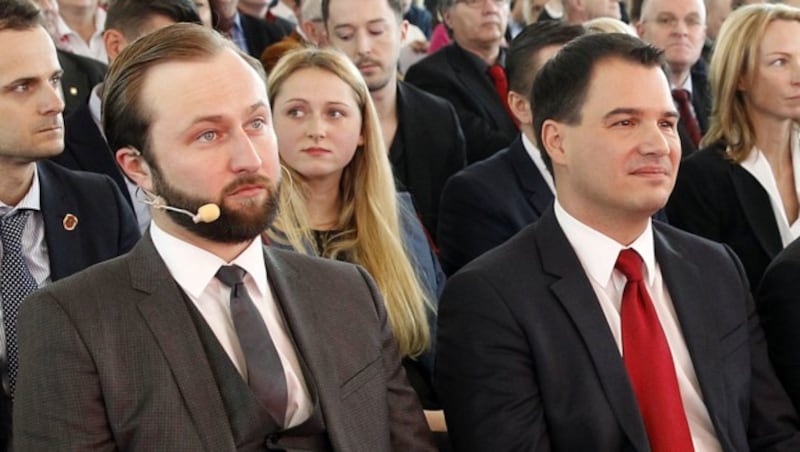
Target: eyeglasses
x: 480, y: 3
x: 670, y: 21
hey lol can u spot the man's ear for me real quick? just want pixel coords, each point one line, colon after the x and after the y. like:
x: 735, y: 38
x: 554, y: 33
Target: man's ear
x: 114, y: 42
x: 520, y: 107
x: 553, y: 141
x: 134, y: 166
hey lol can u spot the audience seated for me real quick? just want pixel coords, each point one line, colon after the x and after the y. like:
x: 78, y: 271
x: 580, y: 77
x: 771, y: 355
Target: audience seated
x: 249, y: 33
x: 678, y: 28
x: 310, y: 31
x: 421, y: 131
x: 85, y: 146
x: 338, y: 201
x: 741, y: 189
x: 469, y: 73
x: 53, y: 222
x: 490, y: 201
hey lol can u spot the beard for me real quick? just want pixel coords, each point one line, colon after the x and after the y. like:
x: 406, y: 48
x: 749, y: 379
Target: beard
x: 236, y: 224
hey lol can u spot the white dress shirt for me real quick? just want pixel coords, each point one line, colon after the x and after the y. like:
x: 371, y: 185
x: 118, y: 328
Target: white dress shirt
x: 598, y: 254
x: 194, y: 270
x: 757, y: 165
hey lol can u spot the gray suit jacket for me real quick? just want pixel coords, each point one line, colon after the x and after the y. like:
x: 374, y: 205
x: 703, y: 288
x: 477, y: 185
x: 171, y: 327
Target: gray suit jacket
x: 112, y: 361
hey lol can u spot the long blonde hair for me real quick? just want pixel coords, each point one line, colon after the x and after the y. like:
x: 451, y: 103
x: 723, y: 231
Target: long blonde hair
x: 734, y: 61
x: 368, y: 230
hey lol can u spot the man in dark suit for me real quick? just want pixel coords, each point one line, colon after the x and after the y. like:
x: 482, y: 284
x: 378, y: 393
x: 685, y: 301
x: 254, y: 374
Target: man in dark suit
x: 200, y: 338
x: 678, y: 27
x: 53, y: 222
x: 463, y: 72
x: 80, y: 75
x: 422, y: 133
x: 488, y: 202
x: 85, y: 147
x: 250, y: 34
x: 597, y: 328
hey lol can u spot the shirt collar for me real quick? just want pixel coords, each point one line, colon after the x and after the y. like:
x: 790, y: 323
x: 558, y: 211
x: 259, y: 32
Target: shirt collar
x: 96, y: 107
x: 30, y: 201
x: 193, y: 268
x: 598, y: 253
x: 536, y: 156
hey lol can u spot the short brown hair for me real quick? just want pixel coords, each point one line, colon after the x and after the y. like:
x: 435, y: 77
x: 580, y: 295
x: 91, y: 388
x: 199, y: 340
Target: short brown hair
x: 19, y: 15
x: 126, y: 120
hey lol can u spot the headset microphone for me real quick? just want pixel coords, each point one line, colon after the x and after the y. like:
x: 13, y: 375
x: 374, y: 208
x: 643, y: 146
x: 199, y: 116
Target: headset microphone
x: 207, y: 213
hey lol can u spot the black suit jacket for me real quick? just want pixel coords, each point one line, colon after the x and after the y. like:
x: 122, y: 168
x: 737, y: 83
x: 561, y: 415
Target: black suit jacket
x: 433, y: 150
x: 779, y: 307
x: 450, y: 73
x: 701, y: 102
x: 106, y: 228
x: 719, y: 200
x: 114, y: 361
x: 81, y: 74
x: 487, y: 203
x: 526, y: 359
x: 86, y: 149
x: 259, y: 34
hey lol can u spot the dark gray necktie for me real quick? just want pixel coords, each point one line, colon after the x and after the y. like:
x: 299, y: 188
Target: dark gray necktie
x: 264, y: 370
x: 16, y: 283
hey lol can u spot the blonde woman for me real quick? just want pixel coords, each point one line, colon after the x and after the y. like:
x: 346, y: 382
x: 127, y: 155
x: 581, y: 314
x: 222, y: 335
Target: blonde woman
x: 338, y: 198
x: 742, y: 188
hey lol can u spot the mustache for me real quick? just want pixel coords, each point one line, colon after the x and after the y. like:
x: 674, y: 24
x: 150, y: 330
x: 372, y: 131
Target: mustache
x: 249, y: 179
x: 359, y: 62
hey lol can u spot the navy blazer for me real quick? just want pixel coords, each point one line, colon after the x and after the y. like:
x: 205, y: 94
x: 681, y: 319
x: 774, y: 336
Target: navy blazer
x: 526, y: 359
x: 105, y: 228
x: 451, y: 73
x: 717, y: 199
x: 81, y: 74
x: 433, y: 148
x: 487, y: 203
x: 86, y: 149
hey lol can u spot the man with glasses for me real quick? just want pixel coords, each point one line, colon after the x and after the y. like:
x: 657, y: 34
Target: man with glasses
x: 469, y: 73
x: 678, y: 27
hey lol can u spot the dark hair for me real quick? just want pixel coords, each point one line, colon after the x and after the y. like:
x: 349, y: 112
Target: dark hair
x: 129, y: 16
x: 19, y: 15
x: 562, y: 84
x: 395, y: 5
x: 522, y: 62
x: 126, y: 120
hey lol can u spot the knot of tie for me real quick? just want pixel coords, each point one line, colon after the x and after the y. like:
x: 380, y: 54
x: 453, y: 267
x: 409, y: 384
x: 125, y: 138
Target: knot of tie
x: 629, y: 263
x: 230, y: 275
x: 681, y: 95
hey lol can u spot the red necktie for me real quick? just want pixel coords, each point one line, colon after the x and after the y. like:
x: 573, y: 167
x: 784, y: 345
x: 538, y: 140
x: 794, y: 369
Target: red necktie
x: 681, y: 97
x: 498, y: 75
x: 649, y: 363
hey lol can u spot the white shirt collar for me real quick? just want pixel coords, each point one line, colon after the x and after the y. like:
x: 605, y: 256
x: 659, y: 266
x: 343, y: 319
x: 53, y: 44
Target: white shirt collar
x: 193, y: 267
x: 598, y: 253
x: 536, y: 156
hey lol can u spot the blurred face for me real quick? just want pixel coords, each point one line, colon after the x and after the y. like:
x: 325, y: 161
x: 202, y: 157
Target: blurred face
x: 619, y: 163
x: 212, y: 146
x: 677, y: 27
x: 369, y: 33
x: 77, y: 4
x: 773, y: 90
x: 204, y: 11
x: 319, y: 124
x: 717, y: 11
x: 478, y: 24
x: 30, y: 96
x: 226, y: 8
x: 602, y: 8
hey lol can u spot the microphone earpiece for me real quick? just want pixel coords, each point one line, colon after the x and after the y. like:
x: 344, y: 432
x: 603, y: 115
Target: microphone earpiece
x: 207, y: 213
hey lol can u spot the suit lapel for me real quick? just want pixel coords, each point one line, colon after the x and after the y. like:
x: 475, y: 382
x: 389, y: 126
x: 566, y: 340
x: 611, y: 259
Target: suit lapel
x: 574, y: 291
x: 530, y: 179
x: 697, y: 323
x: 302, y: 321
x: 757, y: 208
x: 165, y: 312
x: 63, y: 245
x: 479, y: 85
